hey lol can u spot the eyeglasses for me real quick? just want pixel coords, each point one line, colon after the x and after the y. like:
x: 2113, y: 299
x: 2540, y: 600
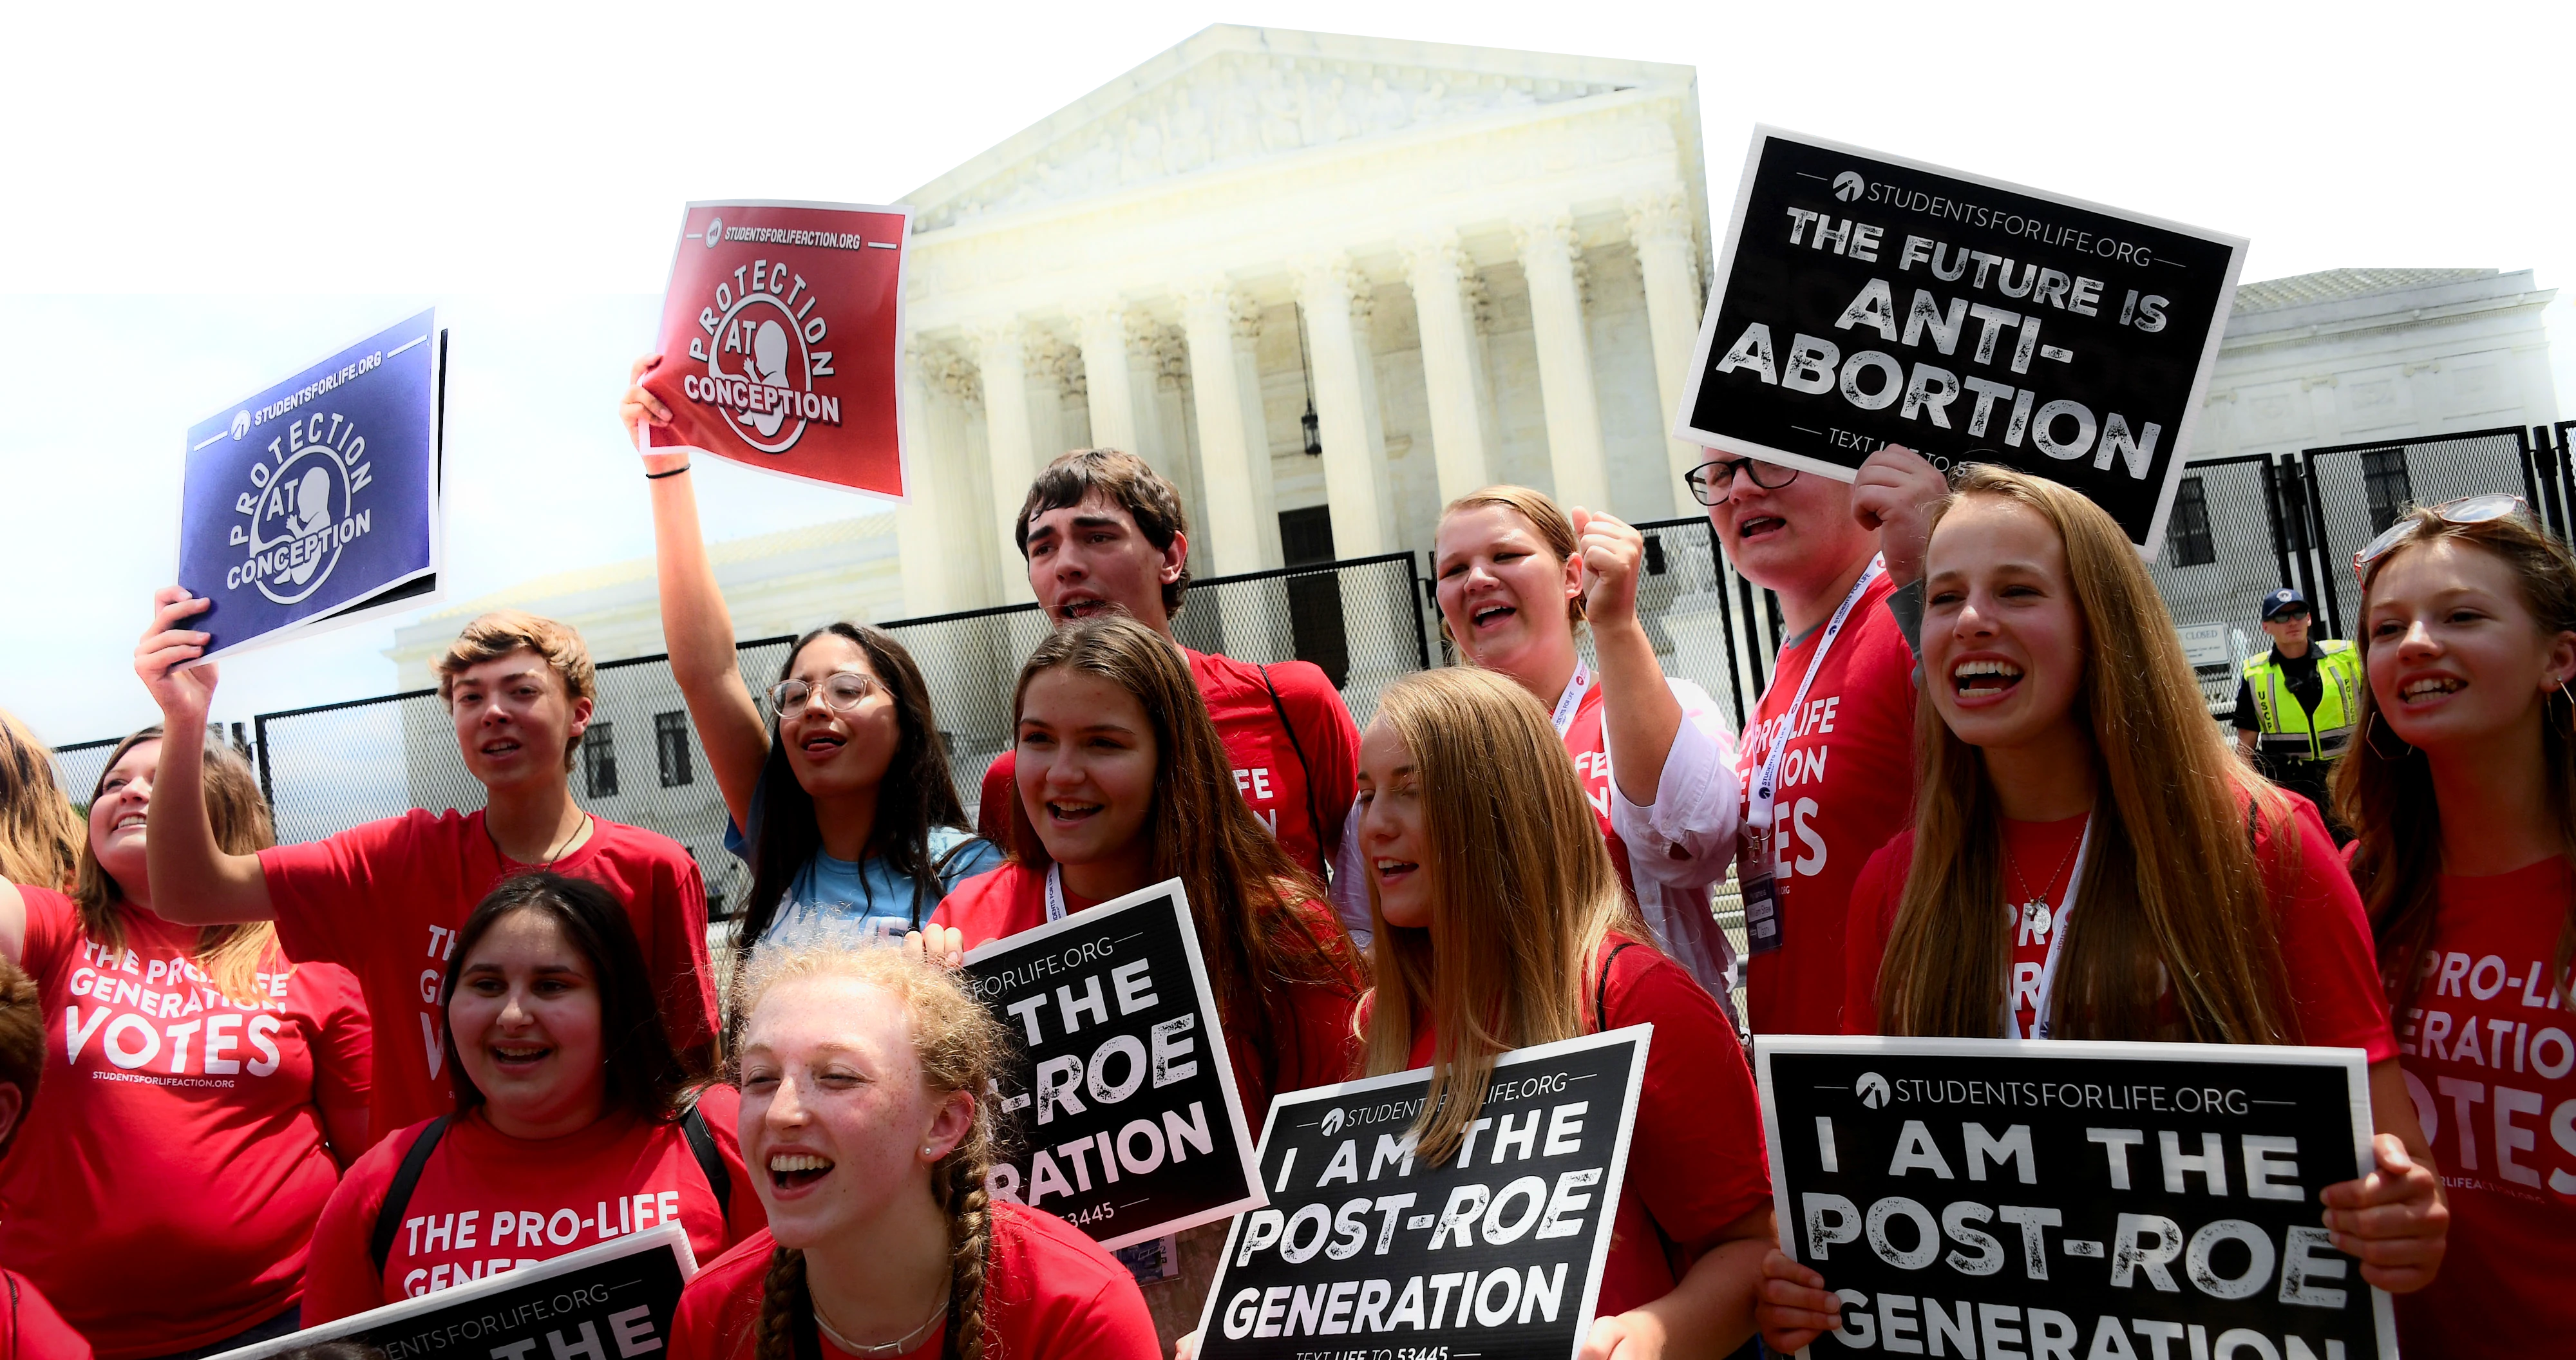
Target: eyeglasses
x: 2466, y: 510
x: 843, y: 691
x: 1713, y: 483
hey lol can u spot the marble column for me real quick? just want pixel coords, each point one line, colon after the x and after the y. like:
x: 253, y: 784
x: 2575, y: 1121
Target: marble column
x: 1233, y: 523
x: 926, y: 573
x: 1460, y: 445
x: 1574, y: 451
x: 1246, y: 317
x: 1001, y: 355
x: 1101, y: 327
x: 1659, y: 223
x: 1330, y: 293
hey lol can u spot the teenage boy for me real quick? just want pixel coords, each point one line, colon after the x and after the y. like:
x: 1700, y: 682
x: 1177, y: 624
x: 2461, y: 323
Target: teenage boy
x: 1842, y: 723
x: 1101, y: 530
x: 384, y: 900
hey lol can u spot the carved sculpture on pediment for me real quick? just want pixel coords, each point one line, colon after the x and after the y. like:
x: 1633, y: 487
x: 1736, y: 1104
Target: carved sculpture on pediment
x: 1238, y: 107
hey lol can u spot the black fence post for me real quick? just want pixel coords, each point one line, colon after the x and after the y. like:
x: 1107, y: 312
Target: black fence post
x: 1415, y: 587
x: 267, y: 790
x: 2546, y: 456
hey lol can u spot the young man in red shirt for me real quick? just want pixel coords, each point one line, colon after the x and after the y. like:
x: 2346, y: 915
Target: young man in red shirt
x: 1844, y: 784
x: 1100, y: 530
x: 384, y: 900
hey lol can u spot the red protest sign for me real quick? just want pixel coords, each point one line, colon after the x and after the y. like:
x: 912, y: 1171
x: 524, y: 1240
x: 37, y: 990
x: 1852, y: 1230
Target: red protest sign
x: 780, y: 340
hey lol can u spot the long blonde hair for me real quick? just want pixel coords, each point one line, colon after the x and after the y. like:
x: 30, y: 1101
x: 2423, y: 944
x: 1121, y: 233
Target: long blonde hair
x: 1522, y: 887
x: 2389, y: 799
x: 230, y: 956
x: 1555, y: 529
x: 960, y: 1047
x: 2171, y: 893
x: 40, y: 834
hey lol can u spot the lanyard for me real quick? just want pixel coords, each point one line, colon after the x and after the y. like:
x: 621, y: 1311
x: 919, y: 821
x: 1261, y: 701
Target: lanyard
x: 1572, y: 699
x: 1758, y: 806
x: 2058, y: 920
x: 1055, y: 892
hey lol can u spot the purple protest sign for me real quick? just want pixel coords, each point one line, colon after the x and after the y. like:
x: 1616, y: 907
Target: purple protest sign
x: 315, y: 502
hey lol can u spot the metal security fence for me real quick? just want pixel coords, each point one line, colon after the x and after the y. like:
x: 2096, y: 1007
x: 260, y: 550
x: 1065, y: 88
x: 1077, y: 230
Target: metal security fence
x: 334, y: 766
x: 78, y: 766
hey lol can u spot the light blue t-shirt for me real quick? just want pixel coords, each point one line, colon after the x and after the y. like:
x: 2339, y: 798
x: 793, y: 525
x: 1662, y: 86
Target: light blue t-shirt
x: 862, y: 902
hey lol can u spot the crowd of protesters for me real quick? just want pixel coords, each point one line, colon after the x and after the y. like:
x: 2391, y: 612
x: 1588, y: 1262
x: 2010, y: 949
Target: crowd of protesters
x: 306, y: 1081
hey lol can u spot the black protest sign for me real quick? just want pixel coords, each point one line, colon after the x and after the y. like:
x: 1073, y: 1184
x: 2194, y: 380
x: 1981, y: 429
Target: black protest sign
x: 2067, y: 1200
x: 1120, y: 1115
x: 1366, y: 1251
x: 1863, y: 300
x: 613, y: 1301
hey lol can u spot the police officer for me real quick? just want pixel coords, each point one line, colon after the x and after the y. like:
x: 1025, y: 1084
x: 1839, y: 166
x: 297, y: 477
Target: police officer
x: 2297, y: 703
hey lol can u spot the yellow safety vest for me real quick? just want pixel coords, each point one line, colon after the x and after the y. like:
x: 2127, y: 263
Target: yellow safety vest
x: 2288, y: 730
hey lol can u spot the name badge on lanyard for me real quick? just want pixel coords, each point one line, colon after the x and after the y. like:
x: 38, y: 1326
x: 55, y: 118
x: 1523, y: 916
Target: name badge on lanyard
x: 2043, y: 921
x: 1755, y: 858
x: 1055, y: 892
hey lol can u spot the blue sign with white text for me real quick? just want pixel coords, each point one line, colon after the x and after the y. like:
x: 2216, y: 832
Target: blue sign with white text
x: 316, y: 501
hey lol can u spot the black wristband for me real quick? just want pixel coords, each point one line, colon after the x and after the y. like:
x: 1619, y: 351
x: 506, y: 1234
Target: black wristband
x: 657, y: 476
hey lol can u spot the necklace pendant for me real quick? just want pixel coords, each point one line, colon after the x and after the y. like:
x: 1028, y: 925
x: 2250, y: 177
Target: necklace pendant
x: 2036, y: 916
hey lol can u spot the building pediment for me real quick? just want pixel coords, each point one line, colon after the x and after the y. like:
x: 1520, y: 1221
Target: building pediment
x: 1232, y: 96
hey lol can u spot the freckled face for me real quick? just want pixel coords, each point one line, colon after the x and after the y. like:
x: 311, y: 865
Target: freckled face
x: 2455, y: 655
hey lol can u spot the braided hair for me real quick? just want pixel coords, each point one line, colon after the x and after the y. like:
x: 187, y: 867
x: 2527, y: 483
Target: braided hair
x: 960, y: 1047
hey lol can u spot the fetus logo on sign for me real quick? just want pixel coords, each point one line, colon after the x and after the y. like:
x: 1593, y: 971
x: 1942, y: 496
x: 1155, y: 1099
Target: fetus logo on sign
x: 761, y: 328
x: 302, y: 507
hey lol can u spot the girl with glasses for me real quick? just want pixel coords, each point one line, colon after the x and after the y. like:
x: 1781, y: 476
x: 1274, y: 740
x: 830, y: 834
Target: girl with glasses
x: 842, y: 800
x: 2462, y: 788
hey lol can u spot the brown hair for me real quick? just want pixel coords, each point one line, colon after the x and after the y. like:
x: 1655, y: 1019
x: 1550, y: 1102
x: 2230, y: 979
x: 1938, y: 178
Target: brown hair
x: 503, y: 631
x: 1555, y: 528
x: 232, y: 955
x: 22, y: 1043
x: 40, y: 833
x: 1245, y: 891
x: 2171, y: 891
x: 1522, y: 886
x: 1131, y: 484
x: 960, y: 1047
x: 2389, y: 799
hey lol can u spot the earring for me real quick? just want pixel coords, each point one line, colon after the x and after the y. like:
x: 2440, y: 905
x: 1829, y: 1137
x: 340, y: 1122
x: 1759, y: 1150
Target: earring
x: 2370, y: 737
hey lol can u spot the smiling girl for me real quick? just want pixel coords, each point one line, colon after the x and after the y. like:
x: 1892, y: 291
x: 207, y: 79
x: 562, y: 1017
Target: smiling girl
x: 2464, y: 795
x: 1656, y: 756
x: 1123, y: 783
x: 2065, y: 755
x: 574, y: 1120
x: 861, y: 1078
x: 200, y: 1096
x: 841, y: 801
x: 1499, y: 925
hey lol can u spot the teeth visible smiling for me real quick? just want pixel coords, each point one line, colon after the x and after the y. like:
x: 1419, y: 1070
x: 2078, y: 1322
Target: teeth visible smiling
x: 2428, y: 686
x: 785, y: 1162
x: 1984, y: 674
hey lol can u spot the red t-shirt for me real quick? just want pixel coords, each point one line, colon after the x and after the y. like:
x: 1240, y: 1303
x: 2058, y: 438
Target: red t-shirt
x: 1321, y: 1047
x: 2316, y: 914
x: 173, y: 1126
x: 2490, y: 1057
x: 1696, y: 1162
x: 487, y: 1202
x: 1050, y: 1293
x: 30, y: 1329
x: 1846, y: 785
x: 368, y: 897
x: 1589, y: 745
x: 1268, y: 771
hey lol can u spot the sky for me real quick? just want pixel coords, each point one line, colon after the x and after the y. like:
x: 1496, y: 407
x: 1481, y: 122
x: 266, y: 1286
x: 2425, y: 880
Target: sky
x: 196, y: 202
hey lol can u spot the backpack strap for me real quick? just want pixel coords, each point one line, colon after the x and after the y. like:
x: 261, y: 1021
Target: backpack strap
x: 1314, y: 812
x: 702, y: 1145
x: 1601, y: 990
x: 380, y: 1243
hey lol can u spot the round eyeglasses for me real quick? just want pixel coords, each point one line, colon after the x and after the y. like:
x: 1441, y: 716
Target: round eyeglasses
x: 842, y: 692
x: 1713, y: 483
x: 2465, y: 510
